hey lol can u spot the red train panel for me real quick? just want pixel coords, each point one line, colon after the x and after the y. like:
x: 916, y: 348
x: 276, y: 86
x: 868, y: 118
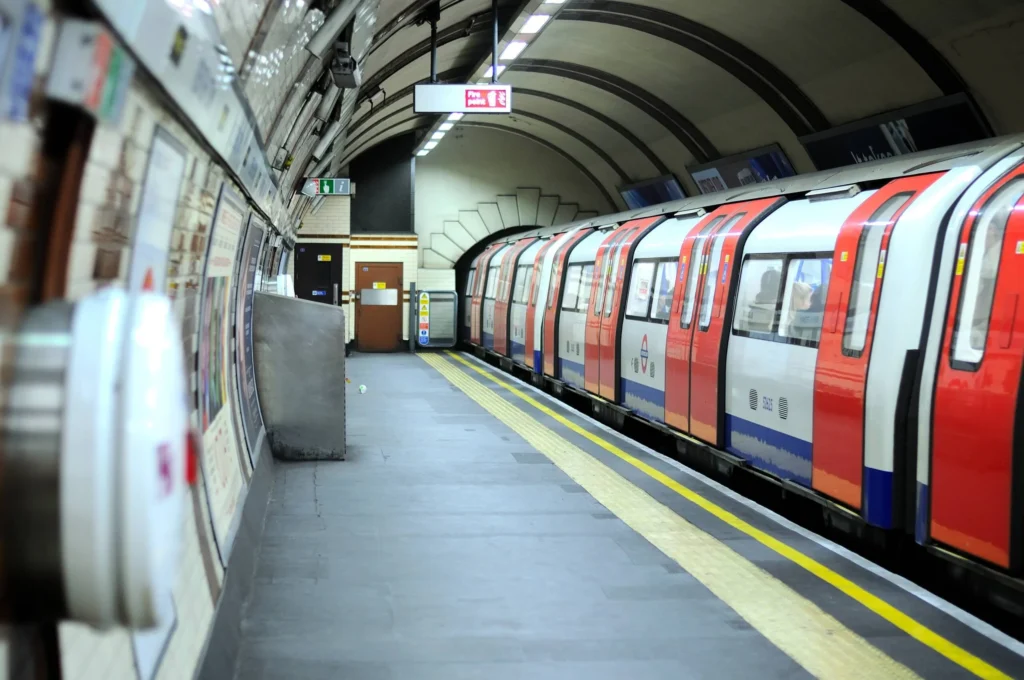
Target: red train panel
x: 554, y: 296
x: 707, y: 354
x: 976, y: 452
x: 501, y: 304
x: 841, y: 372
x: 533, y: 353
x: 611, y: 318
x: 479, y: 284
x: 602, y: 275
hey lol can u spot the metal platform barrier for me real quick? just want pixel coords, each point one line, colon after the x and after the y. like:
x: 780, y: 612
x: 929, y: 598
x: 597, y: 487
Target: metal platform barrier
x: 433, y: 316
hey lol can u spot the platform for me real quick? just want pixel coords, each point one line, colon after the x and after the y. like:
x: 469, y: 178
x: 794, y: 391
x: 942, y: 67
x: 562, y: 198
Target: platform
x: 481, y: 529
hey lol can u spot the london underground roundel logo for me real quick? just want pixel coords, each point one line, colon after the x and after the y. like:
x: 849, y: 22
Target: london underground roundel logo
x: 643, y: 354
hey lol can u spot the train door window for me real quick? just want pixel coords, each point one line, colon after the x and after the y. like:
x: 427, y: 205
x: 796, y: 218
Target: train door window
x: 492, y: 282
x: 470, y: 280
x: 803, y: 304
x: 707, y: 302
x: 572, y: 287
x: 640, y: 290
x: 867, y: 272
x: 609, y: 292
x: 696, y: 262
x: 606, y: 274
x: 551, y: 285
x: 586, y: 283
x: 519, y: 292
x: 535, y: 287
x: 758, y: 296
x: 665, y: 281
x: 985, y: 247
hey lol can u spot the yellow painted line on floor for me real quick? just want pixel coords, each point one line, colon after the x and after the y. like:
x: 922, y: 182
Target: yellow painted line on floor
x: 807, y: 634
x: 810, y: 636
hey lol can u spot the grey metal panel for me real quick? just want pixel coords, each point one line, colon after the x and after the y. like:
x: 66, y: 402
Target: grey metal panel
x: 546, y: 209
x: 509, y: 207
x: 299, y: 350
x: 443, y: 313
x: 566, y: 213
x: 528, y: 201
x: 491, y: 216
x: 372, y: 297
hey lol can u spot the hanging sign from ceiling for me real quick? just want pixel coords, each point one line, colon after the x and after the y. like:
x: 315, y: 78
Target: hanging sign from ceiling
x: 463, y: 99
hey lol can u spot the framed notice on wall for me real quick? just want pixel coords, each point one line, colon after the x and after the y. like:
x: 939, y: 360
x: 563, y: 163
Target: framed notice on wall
x: 252, y: 418
x: 223, y: 460
x: 157, y: 210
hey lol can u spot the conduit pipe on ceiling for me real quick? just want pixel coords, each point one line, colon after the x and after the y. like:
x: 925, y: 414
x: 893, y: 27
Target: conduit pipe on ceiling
x: 332, y: 132
x: 329, y: 100
x: 324, y: 39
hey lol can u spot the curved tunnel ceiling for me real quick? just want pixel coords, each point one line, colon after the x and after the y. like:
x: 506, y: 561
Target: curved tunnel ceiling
x: 726, y: 82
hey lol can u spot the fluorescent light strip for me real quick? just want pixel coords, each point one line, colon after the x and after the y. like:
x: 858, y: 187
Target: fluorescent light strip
x: 456, y: 116
x: 437, y: 135
x: 514, y: 49
x: 429, y: 145
x: 534, y: 24
x: 445, y: 127
x: 490, y: 70
x: 424, y: 152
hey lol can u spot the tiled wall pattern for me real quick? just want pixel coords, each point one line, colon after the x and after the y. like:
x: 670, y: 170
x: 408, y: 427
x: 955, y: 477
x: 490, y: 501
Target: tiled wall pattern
x: 237, y: 21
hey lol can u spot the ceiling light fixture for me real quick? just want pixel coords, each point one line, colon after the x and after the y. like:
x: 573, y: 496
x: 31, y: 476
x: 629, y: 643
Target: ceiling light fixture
x: 424, y: 152
x: 429, y: 145
x: 514, y: 49
x: 534, y: 23
x: 456, y: 116
x: 445, y: 127
x: 437, y: 135
x: 490, y: 70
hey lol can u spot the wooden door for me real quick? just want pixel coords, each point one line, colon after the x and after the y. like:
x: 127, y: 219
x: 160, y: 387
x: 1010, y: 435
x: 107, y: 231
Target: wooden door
x: 841, y: 370
x: 977, y: 483
x: 379, y: 307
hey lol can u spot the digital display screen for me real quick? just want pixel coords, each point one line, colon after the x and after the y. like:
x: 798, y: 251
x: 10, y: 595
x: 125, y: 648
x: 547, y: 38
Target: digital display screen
x: 652, y: 192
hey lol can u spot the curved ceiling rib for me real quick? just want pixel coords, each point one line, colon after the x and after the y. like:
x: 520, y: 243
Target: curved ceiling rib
x: 422, y: 122
x: 931, y: 61
x: 543, y: 142
x: 447, y: 76
x: 679, y: 126
x: 478, y: 23
x: 768, y: 82
x: 610, y: 122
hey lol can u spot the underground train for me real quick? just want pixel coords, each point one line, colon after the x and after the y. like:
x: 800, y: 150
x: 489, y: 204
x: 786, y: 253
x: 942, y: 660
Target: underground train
x: 852, y: 334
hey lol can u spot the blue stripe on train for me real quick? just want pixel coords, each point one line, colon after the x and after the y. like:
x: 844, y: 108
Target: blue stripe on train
x: 643, y: 399
x: 921, y: 521
x: 878, y: 497
x: 571, y: 372
x: 781, y: 454
x: 489, y: 340
x: 538, y: 361
x: 518, y: 351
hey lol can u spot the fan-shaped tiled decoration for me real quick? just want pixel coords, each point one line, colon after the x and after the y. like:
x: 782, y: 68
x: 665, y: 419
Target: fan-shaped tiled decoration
x: 528, y: 207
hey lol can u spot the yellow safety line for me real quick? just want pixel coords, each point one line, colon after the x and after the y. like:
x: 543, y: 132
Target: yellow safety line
x: 810, y: 636
x: 874, y: 603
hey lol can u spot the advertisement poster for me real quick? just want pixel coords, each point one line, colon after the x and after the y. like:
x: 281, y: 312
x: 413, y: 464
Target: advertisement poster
x: 751, y: 167
x: 221, y: 465
x: 157, y: 209
x: 252, y: 419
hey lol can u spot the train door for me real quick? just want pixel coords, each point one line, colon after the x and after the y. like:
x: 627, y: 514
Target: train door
x: 467, y: 300
x: 504, y: 302
x: 707, y: 353
x: 480, y: 282
x: 550, y: 346
x: 592, y: 337
x: 977, y: 462
x: 611, y: 316
x: 532, y: 347
x: 841, y: 371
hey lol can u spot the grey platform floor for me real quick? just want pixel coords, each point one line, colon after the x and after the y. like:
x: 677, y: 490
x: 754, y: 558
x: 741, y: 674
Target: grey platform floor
x: 445, y: 547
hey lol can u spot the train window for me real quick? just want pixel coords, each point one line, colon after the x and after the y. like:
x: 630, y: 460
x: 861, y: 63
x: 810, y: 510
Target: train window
x: 696, y: 255
x: 867, y: 272
x: 609, y: 292
x: 519, y: 290
x: 758, y: 296
x: 492, y: 282
x: 707, y: 302
x: 985, y: 248
x: 551, y: 285
x: 572, y: 287
x: 640, y: 290
x: 803, y: 303
x: 470, y: 281
x: 535, y: 280
x: 664, y: 287
x: 586, y: 284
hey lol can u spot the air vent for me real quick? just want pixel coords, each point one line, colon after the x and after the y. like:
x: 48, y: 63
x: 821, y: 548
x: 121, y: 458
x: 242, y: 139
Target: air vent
x: 753, y: 400
x: 783, y: 408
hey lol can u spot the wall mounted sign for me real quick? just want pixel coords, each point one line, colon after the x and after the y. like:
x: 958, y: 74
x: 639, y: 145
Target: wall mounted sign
x: 157, y: 209
x: 937, y: 123
x: 462, y: 99
x: 21, y: 26
x: 750, y: 167
x: 424, y: 319
x: 90, y: 70
x: 222, y: 469
x: 328, y: 186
